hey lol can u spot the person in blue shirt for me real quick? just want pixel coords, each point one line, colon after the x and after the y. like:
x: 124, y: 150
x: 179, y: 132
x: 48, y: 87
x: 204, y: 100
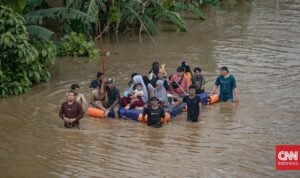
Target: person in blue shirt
x: 95, y: 84
x: 228, y: 88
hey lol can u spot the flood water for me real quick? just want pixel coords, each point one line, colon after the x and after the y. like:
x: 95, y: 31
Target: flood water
x: 259, y: 42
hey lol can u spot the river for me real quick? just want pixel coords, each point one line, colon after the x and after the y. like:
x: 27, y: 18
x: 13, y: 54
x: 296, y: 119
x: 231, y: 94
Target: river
x: 259, y: 42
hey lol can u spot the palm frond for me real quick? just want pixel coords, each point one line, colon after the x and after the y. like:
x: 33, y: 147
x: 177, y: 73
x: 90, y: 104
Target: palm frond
x: 39, y: 31
x: 139, y: 18
x: 196, y: 11
x: 94, y: 7
x: 36, y: 17
x: 175, y: 18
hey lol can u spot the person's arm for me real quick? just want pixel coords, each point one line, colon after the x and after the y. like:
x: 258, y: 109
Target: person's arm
x: 79, y: 113
x: 84, y: 102
x: 235, y: 94
x: 235, y: 91
x: 163, y: 115
x: 61, y: 112
x: 163, y: 67
x: 144, y: 113
x: 114, y: 104
x: 92, y: 99
x: 199, y: 103
x: 102, y: 89
x: 217, y: 83
x: 203, y: 82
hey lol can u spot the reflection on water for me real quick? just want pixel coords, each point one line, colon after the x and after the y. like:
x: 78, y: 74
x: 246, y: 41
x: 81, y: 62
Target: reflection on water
x: 259, y: 43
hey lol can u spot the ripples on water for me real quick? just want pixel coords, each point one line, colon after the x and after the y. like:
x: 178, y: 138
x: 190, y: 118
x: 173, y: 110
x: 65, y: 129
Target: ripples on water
x: 260, y: 43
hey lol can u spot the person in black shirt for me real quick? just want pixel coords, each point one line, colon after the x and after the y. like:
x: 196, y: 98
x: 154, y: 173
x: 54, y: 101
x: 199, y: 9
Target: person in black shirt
x: 95, y: 84
x: 154, y: 113
x: 193, y: 105
x: 114, y: 98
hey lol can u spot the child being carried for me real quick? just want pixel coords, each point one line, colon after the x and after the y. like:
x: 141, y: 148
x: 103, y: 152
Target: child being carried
x: 134, y: 100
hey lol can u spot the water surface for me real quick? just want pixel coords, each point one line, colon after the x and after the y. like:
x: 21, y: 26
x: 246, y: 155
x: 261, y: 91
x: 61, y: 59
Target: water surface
x: 259, y: 43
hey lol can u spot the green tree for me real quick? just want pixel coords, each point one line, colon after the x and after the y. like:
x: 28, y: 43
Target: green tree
x: 22, y: 64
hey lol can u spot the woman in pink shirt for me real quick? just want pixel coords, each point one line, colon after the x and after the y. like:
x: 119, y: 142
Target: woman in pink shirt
x: 179, y: 83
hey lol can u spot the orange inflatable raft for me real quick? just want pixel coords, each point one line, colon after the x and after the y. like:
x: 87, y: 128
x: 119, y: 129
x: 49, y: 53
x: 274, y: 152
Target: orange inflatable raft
x: 95, y: 112
x: 213, y: 99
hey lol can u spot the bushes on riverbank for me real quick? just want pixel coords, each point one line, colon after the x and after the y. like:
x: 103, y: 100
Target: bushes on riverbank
x: 23, y: 62
x: 77, y: 45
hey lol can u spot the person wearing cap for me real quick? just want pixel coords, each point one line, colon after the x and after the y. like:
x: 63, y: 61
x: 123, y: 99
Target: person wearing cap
x: 179, y: 83
x: 114, y: 98
x: 154, y: 113
x: 228, y: 88
x: 95, y: 84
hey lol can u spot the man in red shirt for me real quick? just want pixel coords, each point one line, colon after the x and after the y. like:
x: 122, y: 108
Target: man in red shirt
x: 179, y: 83
x: 71, y: 111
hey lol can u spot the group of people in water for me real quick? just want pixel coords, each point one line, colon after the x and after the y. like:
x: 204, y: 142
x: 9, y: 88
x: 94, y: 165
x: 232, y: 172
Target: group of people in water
x: 150, y: 93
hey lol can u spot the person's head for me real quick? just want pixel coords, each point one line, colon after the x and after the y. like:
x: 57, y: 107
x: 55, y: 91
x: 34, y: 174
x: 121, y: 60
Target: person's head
x: 100, y: 76
x: 71, y: 96
x: 161, y: 74
x: 185, y: 67
x: 224, y: 71
x: 139, y: 86
x: 155, y: 68
x: 155, y: 64
x: 188, y: 69
x: 75, y: 88
x: 192, y: 90
x: 154, y: 101
x: 180, y: 71
x: 133, y: 75
x: 110, y: 83
x: 197, y: 71
x: 159, y: 84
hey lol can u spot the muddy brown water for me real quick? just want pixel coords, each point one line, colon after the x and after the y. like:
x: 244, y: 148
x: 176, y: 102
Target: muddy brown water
x: 260, y: 43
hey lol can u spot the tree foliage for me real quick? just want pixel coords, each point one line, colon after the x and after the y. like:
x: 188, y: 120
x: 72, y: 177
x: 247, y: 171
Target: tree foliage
x: 22, y: 64
x: 77, y: 45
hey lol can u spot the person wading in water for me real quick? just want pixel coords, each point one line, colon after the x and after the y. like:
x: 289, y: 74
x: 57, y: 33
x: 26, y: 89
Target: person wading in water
x: 71, y: 111
x: 228, y: 88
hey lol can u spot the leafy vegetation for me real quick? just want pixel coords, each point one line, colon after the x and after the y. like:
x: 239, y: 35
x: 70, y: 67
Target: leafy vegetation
x: 22, y: 64
x: 25, y: 37
x: 76, y: 45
